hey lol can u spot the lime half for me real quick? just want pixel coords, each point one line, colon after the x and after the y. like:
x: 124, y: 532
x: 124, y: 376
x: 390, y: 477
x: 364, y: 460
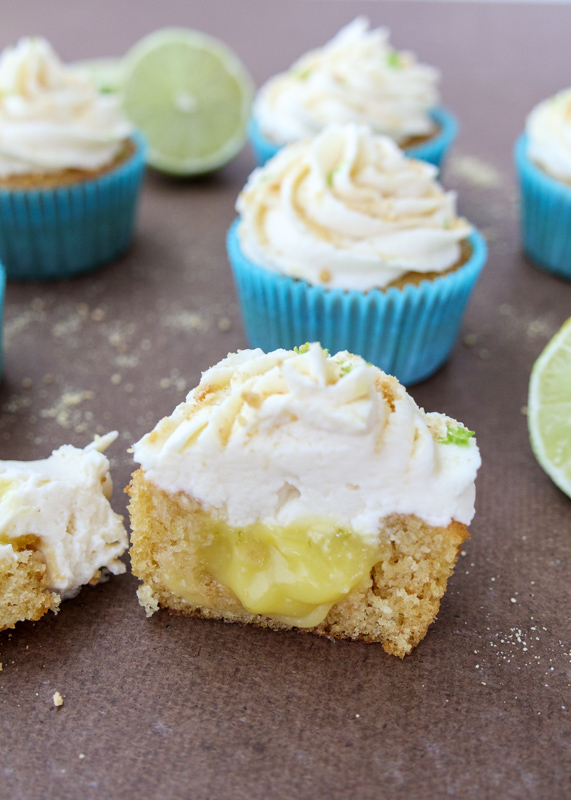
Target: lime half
x: 106, y: 73
x: 549, y: 409
x: 191, y: 97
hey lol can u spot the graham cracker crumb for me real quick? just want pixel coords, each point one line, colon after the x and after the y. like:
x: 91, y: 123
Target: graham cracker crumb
x: 58, y: 700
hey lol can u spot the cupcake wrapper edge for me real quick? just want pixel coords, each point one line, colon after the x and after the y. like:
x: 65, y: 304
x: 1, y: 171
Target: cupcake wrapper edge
x: 407, y: 332
x: 432, y: 151
x: 50, y: 234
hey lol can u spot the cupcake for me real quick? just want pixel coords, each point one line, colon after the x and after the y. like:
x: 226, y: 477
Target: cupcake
x: 302, y: 490
x: 543, y: 165
x: 345, y: 240
x: 58, y: 530
x: 70, y: 168
x: 357, y: 77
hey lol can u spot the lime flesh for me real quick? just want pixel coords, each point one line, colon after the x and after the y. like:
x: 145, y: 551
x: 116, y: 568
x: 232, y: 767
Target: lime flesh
x: 191, y: 97
x: 549, y: 408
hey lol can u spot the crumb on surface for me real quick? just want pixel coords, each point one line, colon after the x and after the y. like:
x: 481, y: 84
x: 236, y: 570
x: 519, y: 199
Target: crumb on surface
x: 58, y: 700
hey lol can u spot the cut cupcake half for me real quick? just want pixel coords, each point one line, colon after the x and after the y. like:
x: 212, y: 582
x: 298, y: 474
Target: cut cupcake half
x: 299, y: 490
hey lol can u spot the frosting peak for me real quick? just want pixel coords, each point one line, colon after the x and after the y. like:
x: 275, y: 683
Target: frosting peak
x: 356, y: 77
x: 349, y: 210
x: 51, y: 117
x: 279, y: 436
x: 549, y: 131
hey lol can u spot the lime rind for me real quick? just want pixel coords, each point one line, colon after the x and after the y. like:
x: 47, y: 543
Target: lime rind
x: 549, y: 409
x: 191, y: 96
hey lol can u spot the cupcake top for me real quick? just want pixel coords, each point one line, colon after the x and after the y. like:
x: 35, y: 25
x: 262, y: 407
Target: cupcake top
x: 63, y: 502
x: 356, y: 77
x: 291, y: 434
x: 348, y: 210
x: 52, y: 117
x: 549, y: 135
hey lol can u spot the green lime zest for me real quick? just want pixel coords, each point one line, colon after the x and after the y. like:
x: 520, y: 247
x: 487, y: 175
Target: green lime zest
x: 302, y: 74
x: 393, y: 59
x: 331, y: 173
x: 456, y: 434
x: 304, y: 348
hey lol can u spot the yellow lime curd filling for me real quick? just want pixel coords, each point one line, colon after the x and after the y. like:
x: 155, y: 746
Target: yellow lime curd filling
x: 293, y: 573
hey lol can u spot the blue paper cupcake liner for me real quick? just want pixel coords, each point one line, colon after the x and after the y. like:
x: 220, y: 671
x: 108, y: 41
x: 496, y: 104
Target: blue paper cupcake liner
x: 432, y: 151
x: 50, y: 234
x: 435, y: 149
x: 407, y: 332
x: 545, y: 215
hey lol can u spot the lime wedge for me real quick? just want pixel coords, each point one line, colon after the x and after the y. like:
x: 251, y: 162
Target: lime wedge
x: 106, y: 73
x: 191, y: 97
x: 549, y: 409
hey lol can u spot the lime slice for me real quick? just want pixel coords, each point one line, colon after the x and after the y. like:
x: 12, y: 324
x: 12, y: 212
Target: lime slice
x: 191, y: 97
x: 549, y: 409
x: 106, y: 73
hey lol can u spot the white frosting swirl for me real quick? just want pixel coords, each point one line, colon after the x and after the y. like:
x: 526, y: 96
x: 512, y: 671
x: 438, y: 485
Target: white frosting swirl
x: 63, y: 501
x: 279, y: 436
x: 52, y: 117
x: 549, y: 130
x: 356, y: 77
x: 348, y: 210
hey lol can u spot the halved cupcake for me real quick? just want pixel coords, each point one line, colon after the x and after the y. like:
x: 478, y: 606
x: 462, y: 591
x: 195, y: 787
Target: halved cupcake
x: 58, y: 531
x: 302, y: 490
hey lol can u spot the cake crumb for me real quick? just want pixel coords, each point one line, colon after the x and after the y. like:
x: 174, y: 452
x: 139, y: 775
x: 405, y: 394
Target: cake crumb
x: 148, y: 600
x: 475, y: 171
x: 58, y: 700
x: 186, y: 321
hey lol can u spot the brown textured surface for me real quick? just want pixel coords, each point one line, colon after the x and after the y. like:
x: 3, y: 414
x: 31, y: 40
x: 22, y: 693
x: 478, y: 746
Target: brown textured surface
x: 180, y: 708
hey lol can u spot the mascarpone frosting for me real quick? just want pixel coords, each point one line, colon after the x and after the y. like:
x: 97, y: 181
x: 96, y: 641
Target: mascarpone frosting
x: 549, y: 135
x: 51, y: 116
x: 281, y: 436
x: 63, y: 501
x: 356, y: 77
x: 349, y: 210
